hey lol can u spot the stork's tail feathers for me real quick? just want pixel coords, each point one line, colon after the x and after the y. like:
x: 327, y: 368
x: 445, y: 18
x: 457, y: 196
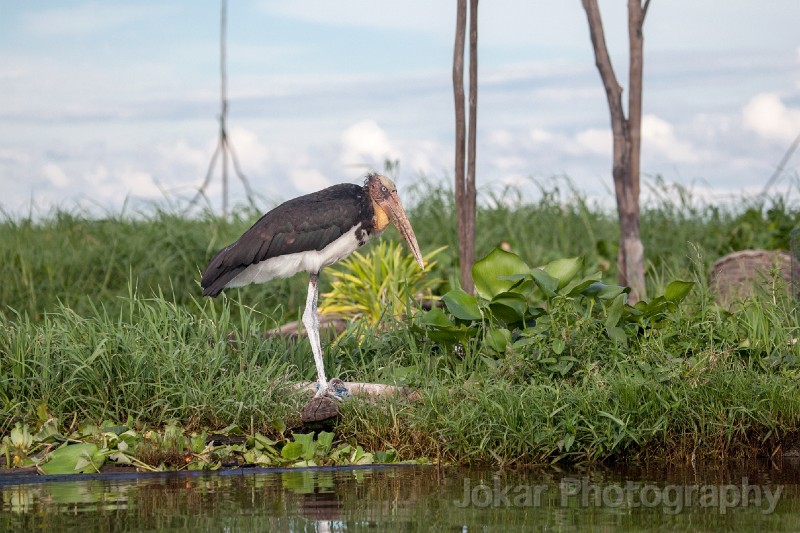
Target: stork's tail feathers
x: 216, y: 276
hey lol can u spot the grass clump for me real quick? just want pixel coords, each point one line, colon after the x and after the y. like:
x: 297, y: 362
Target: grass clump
x: 101, y: 325
x: 153, y: 362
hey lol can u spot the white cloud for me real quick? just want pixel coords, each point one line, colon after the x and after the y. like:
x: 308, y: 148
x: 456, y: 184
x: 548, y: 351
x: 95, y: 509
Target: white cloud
x: 55, y: 175
x: 108, y: 186
x: 659, y: 135
x: 181, y: 153
x: 308, y: 179
x: 500, y: 138
x: 540, y: 136
x: 769, y: 117
x: 366, y: 143
x: 139, y: 183
x: 594, y: 141
x: 252, y: 154
x: 13, y: 157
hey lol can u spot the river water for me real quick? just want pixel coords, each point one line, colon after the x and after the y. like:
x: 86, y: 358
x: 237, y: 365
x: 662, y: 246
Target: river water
x: 756, y: 497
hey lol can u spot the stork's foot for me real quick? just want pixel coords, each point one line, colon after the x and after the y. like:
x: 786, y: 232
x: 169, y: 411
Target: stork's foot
x: 334, y: 390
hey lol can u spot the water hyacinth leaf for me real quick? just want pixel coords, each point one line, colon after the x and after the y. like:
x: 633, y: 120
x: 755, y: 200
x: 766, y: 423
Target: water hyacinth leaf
x: 49, y: 433
x: 547, y: 283
x: 435, y: 317
x: 462, y: 305
x: 74, y: 459
x: 233, y: 429
x: 617, y: 334
x: 516, y: 278
x: 325, y: 441
x: 615, y: 311
x: 498, y: 339
x: 677, y: 290
x: 41, y: 412
x: 292, y: 451
x: 389, y: 456
x: 306, y: 441
x: 279, y: 425
x: 487, y: 272
x: 21, y: 438
x: 510, y: 307
x: 261, y: 442
x: 564, y: 269
x: 601, y: 291
x: 580, y: 286
x: 654, y: 307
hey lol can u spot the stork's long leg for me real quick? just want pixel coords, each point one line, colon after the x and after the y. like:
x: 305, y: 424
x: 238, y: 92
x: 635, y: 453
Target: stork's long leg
x: 311, y: 322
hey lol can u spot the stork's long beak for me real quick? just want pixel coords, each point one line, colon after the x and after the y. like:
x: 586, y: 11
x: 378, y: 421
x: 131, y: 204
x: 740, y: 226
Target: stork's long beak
x: 397, y: 215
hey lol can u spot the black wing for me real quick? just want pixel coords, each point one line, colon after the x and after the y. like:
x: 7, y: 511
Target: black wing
x: 309, y: 222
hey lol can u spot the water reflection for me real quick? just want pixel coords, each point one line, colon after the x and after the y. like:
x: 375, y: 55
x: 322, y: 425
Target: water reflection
x: 412, y: 498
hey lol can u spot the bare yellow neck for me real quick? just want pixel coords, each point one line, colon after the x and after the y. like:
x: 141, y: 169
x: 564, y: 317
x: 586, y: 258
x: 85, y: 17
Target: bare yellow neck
x: 380, y: 219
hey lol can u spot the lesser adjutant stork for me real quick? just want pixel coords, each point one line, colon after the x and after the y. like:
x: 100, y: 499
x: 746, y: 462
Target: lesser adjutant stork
x: 307, y: 234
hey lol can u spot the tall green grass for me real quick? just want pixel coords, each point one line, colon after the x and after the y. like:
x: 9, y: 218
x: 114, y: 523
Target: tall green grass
x: 79, y: 261
x: 103, y: 319
x: 151, y: 362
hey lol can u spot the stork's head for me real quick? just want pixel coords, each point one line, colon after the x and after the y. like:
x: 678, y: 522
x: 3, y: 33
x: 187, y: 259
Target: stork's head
x: 383, y: 193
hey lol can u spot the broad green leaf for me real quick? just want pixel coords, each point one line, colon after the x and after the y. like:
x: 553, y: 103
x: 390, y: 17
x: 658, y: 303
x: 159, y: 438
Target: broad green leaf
x: 617, y: 334
x: 233, y: 429
x: 74, y: 459
x: 545, y: 281
x: 306, y: 440
x: 486, y: 272
x: 435, y: 317
x: 654, y: 307
x: 513, y: 277
x: 261, y: 442
x: 510, y: 307
x: 564, y: 269
x: 498, y: 339
x: 389, y: 456
x: 677, y: 290
x: 615, y: 311
x: 462, y: 305
x: 324, y: 441
x: 41, y: 412
x: 601, y: 291
x: 279, y: 425
x: 578, y: 287
x: 292, y: 451
x: 558, y: 345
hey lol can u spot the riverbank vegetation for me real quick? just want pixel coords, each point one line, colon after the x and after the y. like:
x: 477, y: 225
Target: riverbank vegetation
x: 105, y: 339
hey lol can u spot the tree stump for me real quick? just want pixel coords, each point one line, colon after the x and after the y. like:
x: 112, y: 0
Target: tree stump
x: 739, y: 274
x: 319, y: 409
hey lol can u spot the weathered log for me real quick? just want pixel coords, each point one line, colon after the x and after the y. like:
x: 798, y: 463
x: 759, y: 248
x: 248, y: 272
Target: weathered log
x: 374, y: 390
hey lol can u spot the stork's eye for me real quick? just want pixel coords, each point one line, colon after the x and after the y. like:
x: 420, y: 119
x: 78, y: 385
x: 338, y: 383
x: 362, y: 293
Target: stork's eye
x: 384, y: 189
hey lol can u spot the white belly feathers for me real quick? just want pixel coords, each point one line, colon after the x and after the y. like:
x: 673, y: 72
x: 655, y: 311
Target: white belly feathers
x: 310, y: 261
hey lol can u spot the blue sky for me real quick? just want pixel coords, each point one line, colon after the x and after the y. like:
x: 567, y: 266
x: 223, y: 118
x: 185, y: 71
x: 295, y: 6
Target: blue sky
x: 103, y: 101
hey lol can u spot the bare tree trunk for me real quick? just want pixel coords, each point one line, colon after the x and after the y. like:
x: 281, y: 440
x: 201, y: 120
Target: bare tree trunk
x: 223, y: 136
x: 627, y: 139
x: 470, y: 198
x: 465, y: 155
